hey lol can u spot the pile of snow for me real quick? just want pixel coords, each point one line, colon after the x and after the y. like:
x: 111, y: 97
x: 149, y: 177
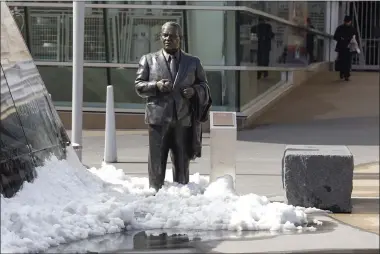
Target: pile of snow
x: 68, y: 202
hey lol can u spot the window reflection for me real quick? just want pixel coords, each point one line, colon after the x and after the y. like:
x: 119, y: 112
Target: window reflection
x: 12, y: 138
x: 125, y: 95
x: 29, y: 95
x: 58, y: 81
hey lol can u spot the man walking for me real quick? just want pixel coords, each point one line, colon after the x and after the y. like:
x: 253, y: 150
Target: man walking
x: 264, y: 35
x: 343, y: 36
x: 178, y: 99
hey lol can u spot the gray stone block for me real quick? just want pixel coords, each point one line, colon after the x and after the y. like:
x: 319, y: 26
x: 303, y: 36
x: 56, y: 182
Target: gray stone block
x: 318, y: 176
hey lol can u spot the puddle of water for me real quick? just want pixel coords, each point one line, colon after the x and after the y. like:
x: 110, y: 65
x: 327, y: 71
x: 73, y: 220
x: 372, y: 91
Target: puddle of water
x: 167, y: 239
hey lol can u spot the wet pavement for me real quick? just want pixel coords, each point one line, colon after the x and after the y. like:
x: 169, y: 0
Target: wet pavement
x: 172, y: 240
x: 347, y: 239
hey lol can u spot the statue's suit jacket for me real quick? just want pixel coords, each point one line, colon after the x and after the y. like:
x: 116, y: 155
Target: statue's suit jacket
x: 160, y: 106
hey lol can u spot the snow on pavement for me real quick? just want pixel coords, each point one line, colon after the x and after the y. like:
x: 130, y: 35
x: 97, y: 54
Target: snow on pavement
x: 68, y: 202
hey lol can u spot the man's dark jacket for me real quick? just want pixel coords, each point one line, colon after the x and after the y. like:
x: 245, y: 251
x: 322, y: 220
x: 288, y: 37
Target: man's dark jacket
x: 343, y: 35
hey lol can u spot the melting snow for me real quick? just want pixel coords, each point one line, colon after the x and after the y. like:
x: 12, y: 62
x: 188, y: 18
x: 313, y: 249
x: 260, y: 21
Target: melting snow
x: 68, y: 202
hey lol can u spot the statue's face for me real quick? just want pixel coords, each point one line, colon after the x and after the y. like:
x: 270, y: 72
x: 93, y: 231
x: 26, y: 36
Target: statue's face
x: 170, y: 38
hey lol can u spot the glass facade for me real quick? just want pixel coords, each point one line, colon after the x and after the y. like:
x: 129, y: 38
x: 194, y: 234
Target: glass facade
x: 116, y: 38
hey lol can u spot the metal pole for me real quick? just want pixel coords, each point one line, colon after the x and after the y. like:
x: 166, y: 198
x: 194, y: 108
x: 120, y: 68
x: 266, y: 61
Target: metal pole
x: 78, y: 48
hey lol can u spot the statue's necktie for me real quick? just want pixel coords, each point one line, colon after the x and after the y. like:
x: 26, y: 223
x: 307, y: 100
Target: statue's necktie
x: 173, y: 66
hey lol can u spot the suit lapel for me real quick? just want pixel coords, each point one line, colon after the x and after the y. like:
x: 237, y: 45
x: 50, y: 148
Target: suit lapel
x: 161, y: 62
x: 183, y: 65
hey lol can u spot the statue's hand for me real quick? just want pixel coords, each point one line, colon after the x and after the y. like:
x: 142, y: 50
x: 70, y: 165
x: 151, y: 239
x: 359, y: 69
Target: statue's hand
x: 188, y: 92
x: 164, y: 85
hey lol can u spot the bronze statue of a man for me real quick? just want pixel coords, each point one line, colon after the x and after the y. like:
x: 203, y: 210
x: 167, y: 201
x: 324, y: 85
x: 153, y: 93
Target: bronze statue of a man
x: 178, y: 100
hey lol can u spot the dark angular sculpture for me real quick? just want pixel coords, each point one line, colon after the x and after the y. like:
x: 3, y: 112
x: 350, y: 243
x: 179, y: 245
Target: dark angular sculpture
x: 30, y: 128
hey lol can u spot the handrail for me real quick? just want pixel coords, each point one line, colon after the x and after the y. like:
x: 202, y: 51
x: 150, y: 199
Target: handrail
x: 175, y: 7
x: 206, y: 67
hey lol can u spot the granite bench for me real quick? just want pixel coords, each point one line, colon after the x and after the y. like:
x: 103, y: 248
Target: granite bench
x: 318, y: 176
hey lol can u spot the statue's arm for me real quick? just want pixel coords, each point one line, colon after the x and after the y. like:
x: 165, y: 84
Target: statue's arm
x: 144, y: 88
x: 201, y: 83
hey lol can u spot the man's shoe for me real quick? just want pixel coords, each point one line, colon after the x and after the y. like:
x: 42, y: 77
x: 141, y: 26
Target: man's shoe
x: 341, y: 76
x: 347, y: 79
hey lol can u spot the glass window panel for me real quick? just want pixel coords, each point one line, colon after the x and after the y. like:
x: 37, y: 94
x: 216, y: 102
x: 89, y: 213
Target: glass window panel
x: 58, y: 82
x: 45, y: 35
x: 125, y: 95
x: 286, y: 47
x: 218, y: 48
x: 51, y: 31
x: 94, y: 40
x: 94, y: 87
x: 131, y: 36
x: 222, y: 86
x: 251, y: 87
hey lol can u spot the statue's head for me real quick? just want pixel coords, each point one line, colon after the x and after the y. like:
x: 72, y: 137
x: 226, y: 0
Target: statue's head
x: 171, y: 34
